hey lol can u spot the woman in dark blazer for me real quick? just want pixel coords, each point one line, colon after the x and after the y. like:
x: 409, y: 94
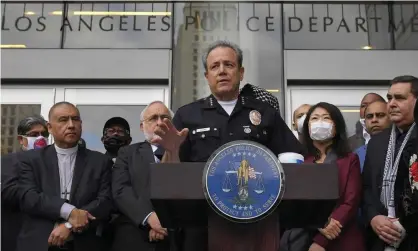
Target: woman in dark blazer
x: 326, y: 142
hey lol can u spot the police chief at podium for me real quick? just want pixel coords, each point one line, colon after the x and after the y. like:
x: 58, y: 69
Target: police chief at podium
x: 199, y: 128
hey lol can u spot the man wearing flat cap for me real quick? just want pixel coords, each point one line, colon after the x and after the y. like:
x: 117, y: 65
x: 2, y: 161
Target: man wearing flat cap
x: 116, y: 134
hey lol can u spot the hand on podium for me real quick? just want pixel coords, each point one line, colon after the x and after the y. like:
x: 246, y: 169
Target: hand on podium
x: 157, y: 232
x: 169, y: 137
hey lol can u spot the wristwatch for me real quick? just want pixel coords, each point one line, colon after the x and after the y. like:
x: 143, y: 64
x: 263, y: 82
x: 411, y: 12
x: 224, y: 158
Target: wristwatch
x: 68, y: 225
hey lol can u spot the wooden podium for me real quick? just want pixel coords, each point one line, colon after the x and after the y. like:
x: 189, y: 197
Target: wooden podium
x: 311, y: 191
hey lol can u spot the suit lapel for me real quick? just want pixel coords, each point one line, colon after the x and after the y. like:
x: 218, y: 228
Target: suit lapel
x: 145, y: 152
x: 51, y: 162
x: 140, y: 169
x: 80, y: 164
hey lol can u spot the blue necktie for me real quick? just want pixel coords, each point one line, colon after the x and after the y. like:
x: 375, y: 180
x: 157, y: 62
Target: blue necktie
x: 159, y: 153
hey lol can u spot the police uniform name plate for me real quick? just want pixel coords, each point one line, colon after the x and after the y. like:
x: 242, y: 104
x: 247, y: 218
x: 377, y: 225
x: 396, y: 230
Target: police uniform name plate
x: 243, y: 181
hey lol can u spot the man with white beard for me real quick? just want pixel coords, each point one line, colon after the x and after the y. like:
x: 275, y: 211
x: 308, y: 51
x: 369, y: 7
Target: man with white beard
x: 138, y: 226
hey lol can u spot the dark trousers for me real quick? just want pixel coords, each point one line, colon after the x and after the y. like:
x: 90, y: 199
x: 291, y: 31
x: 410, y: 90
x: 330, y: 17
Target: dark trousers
x: 128, y: 237
x: 68, y: 246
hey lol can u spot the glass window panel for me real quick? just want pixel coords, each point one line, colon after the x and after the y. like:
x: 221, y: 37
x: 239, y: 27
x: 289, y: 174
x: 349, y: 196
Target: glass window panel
x: 118, y: 25
x: 9, y: 131
x: 10, y: 141
x: 405, y: 26
x: 31, y: 25
x: 256, y: 28
x: 95, y: 116
x: 336, y: 26
x: 351, y: 116
x: 378, y: 28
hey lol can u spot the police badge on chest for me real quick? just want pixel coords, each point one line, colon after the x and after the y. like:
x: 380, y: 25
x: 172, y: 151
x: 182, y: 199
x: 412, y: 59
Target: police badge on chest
x: 255, y: 117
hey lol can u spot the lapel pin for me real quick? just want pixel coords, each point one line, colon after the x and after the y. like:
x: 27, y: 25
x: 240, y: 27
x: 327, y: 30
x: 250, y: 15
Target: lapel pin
x: 247, y: 129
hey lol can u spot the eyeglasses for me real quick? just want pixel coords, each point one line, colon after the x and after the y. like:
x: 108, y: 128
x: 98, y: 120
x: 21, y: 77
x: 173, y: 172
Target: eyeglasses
x: 155, y: 117
x: 36, y: 134
x: 112, y: 131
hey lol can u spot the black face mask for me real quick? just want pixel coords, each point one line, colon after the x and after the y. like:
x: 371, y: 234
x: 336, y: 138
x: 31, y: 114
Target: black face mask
x: 112, y: 144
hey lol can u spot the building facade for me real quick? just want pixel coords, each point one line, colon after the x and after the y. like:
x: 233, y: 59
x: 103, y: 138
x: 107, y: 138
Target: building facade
x: 112, y: 58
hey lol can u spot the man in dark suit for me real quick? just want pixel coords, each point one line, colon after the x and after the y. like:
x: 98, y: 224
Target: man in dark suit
x: 11, y: 218
x: 361, y: 136
x: 32, y: 133
x: 384, y: 168
x: 138, y: 227
x: 65, y: 189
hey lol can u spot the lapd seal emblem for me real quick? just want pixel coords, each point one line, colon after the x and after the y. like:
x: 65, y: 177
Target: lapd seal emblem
x: 243, y: 181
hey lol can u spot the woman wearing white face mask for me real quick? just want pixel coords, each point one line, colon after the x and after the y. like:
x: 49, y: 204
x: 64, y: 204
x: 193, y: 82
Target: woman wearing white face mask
x: 326, y: 142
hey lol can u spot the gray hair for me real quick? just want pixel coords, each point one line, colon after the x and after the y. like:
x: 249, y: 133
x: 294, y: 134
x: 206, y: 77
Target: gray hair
x: 141, y: 117
x: 26, y: 124
x: 225, y: 44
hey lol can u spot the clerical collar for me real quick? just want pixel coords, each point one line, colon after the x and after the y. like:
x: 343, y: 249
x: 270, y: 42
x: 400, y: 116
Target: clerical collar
x: 66, y: 150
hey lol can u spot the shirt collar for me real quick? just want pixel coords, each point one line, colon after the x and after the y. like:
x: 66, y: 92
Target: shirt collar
x: 366, y: 136
x: 154, y: 148
x: 66, y: 151
x: 211, y: 102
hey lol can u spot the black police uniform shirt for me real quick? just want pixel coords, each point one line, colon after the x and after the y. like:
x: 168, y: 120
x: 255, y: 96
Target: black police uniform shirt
x: 210, y: 127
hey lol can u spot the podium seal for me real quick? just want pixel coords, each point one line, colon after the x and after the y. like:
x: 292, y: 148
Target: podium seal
x: 243, y: 181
